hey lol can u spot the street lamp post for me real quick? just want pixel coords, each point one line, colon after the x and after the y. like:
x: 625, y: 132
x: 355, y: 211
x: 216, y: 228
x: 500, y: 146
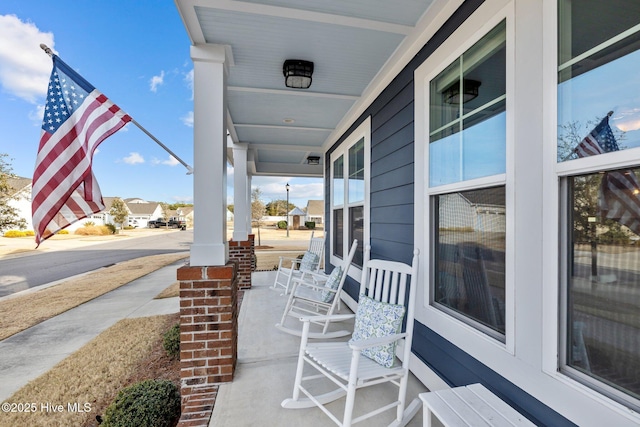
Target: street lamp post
x: 287, y: 186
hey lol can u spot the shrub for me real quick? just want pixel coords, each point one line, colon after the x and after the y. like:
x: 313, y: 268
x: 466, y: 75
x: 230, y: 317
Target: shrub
x: 62, y: 232
x: 282, y: 225
x: 112, y: 228
x: 29, y: 233
x: 311, y: 225
x: 89, y: 223
x: 149, y: 403
x: 14, y: 233
x: 93, y: 230
x: 171, y: 341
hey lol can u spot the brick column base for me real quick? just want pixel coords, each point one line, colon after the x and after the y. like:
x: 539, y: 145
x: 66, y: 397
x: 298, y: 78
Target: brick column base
x: 244, y: 252
x: 208, y: 328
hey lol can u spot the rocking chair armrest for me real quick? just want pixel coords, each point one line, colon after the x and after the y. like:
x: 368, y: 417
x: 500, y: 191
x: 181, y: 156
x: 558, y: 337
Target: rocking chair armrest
x: 287, y: 258
x: 316, y: 276
x: 312, y: 286
x: 331, y: 318
x: 374, y: 342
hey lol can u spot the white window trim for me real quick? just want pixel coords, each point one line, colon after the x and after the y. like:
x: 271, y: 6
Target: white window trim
x: 362, y: 131
x: 553, y: 171
x: 461, y: 332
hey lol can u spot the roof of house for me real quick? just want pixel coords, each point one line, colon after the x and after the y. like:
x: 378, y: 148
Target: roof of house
x: 315, y: 207
x: 297, y: 211
x: 137, y: 208
x: 18, y: 183
x: 185, y: 210
x: 486, y: 196
x: 132, y: 200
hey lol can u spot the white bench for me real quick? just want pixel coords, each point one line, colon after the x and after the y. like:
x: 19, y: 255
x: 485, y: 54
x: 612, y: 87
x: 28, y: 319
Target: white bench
x: 470, y: 406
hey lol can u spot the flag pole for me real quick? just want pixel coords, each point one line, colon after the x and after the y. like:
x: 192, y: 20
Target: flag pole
x: 189, y: 168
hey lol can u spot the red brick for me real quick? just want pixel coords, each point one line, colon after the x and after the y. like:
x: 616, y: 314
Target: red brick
x: 223, y: 272
x: 190, y: 273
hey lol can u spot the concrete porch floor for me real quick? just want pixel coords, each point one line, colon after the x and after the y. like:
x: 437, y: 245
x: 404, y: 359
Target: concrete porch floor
x: 266, y: 369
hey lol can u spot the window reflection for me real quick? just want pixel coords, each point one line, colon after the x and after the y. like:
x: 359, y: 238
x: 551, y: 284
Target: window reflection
x: 470, y: 255
x: 603, y: 314
x: 467, y: 130
x: 598, y: 62
x: 356, y: 172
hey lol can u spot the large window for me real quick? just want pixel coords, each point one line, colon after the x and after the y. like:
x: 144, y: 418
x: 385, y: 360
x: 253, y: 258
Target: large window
x: 349, y: 196
x: 467, y: 164
x: 598, y: 121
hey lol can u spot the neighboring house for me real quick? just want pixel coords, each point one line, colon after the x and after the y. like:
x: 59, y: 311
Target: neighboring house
x: 21, y: 198
x: 474, y: 211
x: 315, y: 211
x: 295, y: 214
x: 449, y: 126
x: 141, y: 212
x: 187, y: 214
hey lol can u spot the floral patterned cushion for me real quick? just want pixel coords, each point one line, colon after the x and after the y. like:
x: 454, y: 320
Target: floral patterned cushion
x: 309, y: 261
x: 375, y: 319
x: 332, y: 283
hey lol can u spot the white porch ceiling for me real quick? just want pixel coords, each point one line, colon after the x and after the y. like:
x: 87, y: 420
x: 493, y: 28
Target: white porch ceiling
x: 349, y: 42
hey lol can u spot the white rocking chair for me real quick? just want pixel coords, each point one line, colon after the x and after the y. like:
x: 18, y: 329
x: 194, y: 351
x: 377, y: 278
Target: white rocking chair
x: 289, y: 268
x: 384, y: 289
x: 317, y: 294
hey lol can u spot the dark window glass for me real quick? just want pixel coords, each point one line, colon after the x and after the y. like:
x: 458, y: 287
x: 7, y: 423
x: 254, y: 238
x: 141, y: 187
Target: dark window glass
x: 356, y: 231
x: 603, y: 291
x: 469, y: 252
x: 338, y: 230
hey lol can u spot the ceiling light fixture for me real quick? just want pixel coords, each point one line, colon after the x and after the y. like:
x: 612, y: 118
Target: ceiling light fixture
x: 451, y: 95
x: 313, y: 160
x: 297, y: 73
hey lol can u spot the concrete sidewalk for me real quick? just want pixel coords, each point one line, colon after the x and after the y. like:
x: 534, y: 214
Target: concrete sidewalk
x: 30, y: 353
x: 266, y: 367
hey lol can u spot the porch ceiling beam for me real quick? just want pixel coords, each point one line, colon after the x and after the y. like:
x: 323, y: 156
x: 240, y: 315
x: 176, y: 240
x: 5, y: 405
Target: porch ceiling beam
x: 275, y: 169
x: 282, y: 127
x: 293, y: 93
x: 305, y: 15
x: 285, y: 147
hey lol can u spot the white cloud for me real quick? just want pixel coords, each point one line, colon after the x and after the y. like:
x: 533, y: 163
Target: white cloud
x: 156, y: 81
x: 188, y: 78
x: 133, y: 158
x: 187, y: 119
x: 300, y: 189
x: 36, y: 115
x: 171, y: 161
x: 24, y: 67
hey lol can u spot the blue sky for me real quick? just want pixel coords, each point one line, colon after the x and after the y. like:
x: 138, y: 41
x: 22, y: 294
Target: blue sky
x: 137, y: 54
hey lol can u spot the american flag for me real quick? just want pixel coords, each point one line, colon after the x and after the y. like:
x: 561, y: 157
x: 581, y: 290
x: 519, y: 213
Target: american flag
x: 600, y: 140
x: 619, y: 195
x: 77, y: 118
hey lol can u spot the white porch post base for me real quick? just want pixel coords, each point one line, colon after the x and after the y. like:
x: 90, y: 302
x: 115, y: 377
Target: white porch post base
x: 203, y: 253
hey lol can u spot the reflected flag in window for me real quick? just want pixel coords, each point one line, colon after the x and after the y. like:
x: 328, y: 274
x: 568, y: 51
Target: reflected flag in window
x: 77, y: 118
x: 600, y: 140
x: 619, y: 195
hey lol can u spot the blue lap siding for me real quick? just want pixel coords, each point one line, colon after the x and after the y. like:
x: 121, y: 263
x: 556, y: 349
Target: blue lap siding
x: 392, y: 220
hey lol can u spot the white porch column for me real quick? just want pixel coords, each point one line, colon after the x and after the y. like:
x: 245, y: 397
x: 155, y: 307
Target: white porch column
x: 241, y: 210
x: 249, y: 217
x: 210, y: 247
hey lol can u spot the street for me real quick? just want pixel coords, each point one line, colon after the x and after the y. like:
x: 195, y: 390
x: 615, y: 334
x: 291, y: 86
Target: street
x: 21, y: 273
